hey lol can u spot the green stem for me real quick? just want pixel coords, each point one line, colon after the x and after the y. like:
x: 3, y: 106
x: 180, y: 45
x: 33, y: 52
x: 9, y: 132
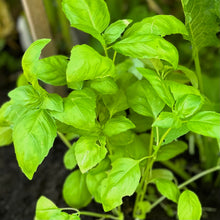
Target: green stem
x: 144, y: 177
x: 198, y: 69
x: 64, y: 139
x: 147, y: 173
x: 198, y: 176
x: 99, y: 215
x: 105, y: 49
x: 114, y: 56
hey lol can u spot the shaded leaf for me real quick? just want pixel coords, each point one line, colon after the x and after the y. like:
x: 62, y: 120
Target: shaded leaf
x: 75, y: 191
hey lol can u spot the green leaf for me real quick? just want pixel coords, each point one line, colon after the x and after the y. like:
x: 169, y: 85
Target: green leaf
x: 75, y: 191
x: 178, y: 90
x: 52, y: 70
x: 206, y: 123
x: 143, y: 99
x: 159, y: 85
x: 168, y: 151
x: 26, y: 96
x: 201, y: 23
x: 190, y: 75
x: 5, y: 135
x: 87, y: 64
x: 161, y: 174
x: 115, y: 186
x: 174, y: 133
x: 123, y: 138
x: 105, y: 85
x: 89, y: 16
x: 148, y: 46
x: 33, y: 136
x: 70, y: 158
x: 117, y: 125
x: 168, y: 189
x: 79, y: 109
x: 167, y: 120
x: 46, y: 209
x: 30, y: 59
x: 116, y: 102
x: 95, y: 177
x: 135, y: 150
x: 21, y: 81
x: 89, y: 152
x: 141, y: 122
x: 52, y: 102
x: 114, y: 31
x: 188, y: 105
x: 157, y: 25
x: 189, y: 206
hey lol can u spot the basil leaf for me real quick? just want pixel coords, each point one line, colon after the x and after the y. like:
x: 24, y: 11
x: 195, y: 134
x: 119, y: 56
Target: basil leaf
x: 169, y: 151
x: 69, y: 159
x: 105, y: 85
x: 26, y: 96
x: 188, y: 105
x: 52, y: 70
x: 168, y: 189
x: 167, y: 120
x: 117, y: 125
x: 122, y: 139
x: 89, y: 16
x: 148, y: 46
x: 116, y: 102
x: 189, y: 206
x: 95, y: 176
x: 52, y: 102
x: 202, y: 29
x: 79, y: 109
x: 206, y: 123
x: 30, y: 59
x: 143, y: 99
x: 190, y: 75
x: 115, y: 186
x: 87, y: 64
x: 89, y: 152
x: 46, y: 209
x: 178, y: 90
x: 38, y: 132
x: 5, y: 135
x: 114, y: 31
x: 158, y: 84
x: 158, y: 25
x: 161, y: 174
x: 75, y: 191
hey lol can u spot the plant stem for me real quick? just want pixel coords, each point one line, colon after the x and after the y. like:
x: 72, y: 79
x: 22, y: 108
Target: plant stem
x: 99, y: 215
x: 114, y: 56
x: 140, y: 192
x: 64, y: 139
x: 198, y: 69
x: 147, y: 173
x: 216, y: 168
